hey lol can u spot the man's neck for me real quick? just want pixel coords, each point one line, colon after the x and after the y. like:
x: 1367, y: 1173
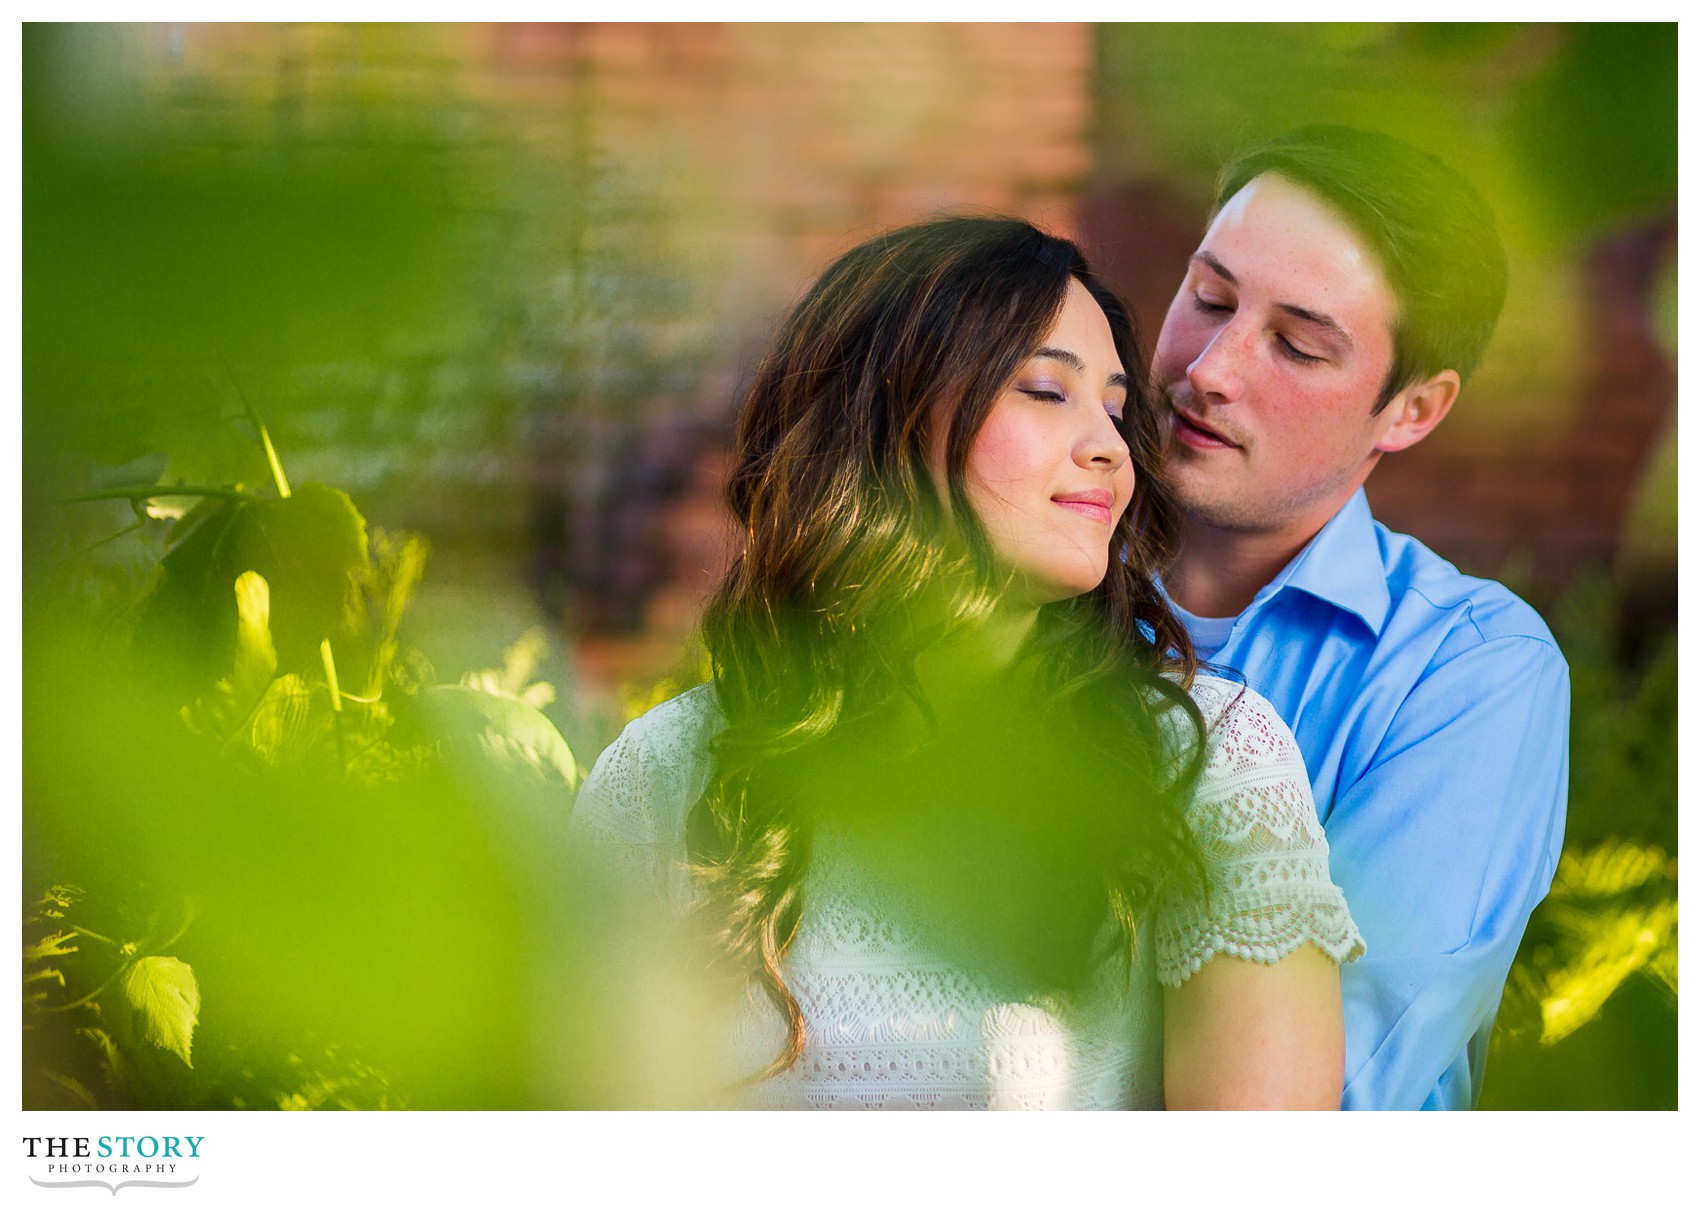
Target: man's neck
x: 1216, y: 573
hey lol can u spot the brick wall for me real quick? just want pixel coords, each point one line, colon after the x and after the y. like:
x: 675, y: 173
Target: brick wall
x: 697, y: 176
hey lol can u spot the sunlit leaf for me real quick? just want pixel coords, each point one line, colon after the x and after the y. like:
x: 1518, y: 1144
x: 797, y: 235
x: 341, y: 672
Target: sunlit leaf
x: 288, y: 721
x: 1661, y: 967
x: 513, y: 680
x: 57, y: 899
x: 256, y: 659
x: 1623, y: 942
x: 1608, y: 869
x: 163, y: 991
x: 54, y: 944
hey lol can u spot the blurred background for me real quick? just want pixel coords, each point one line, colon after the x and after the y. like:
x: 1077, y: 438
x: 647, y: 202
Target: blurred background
x: 377, y: 391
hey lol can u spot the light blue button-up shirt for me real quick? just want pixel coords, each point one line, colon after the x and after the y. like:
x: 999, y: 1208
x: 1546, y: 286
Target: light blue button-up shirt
x: 1433, y: 711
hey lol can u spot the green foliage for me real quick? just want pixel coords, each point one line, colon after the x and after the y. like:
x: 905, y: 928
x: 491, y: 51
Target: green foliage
x: 209, y: 753
x: 79, y: 1001
x: 307, y: 548
x: 1597, y: 969
x: 223, y: 704
x: 1572, y: 127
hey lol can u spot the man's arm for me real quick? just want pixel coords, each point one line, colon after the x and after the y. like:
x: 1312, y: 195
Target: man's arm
x: 1444, y: 847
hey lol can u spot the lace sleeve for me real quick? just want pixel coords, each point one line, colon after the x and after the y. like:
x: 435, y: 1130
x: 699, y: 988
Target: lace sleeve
x: 1265, y: 855
x: 628, y: 825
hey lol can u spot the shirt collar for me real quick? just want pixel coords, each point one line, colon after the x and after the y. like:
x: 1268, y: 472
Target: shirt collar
x: 1342, y: 566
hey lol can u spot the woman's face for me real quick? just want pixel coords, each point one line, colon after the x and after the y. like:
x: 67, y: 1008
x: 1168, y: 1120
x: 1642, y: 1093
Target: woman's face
x: 1048, y: 474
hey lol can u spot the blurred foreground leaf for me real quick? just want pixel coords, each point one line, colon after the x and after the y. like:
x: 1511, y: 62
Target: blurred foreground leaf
x: 1615, y: 909
x: 308, y: 548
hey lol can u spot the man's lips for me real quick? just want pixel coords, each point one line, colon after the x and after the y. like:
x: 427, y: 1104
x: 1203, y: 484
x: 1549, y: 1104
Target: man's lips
x: 1095, y: 504
x: 1198, y: 435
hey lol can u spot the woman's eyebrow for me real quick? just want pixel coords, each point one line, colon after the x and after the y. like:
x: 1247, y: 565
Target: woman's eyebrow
x: 1067, y: 357
x: 1074, y: 362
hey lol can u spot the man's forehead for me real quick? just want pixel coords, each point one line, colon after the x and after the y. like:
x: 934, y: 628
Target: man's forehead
x: 1291, y: 239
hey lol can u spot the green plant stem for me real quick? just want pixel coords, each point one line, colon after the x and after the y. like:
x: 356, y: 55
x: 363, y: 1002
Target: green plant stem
x: 278, y: 478
x: 87, y: 933
x: 282, y: 482
x: 86, y: 998
x: 140, y: 522
x: 151, y: 492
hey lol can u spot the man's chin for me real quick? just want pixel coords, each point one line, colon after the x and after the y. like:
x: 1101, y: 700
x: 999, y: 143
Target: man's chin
x: 1215, y: 510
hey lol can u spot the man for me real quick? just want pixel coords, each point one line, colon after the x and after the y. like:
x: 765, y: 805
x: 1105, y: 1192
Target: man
x: 1346, y: 287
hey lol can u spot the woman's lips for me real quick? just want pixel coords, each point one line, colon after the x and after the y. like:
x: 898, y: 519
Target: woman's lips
x: 1197, y: 436
x: 1094, y: 505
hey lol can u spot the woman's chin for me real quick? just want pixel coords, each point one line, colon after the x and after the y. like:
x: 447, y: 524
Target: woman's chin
x: 1039, y: 592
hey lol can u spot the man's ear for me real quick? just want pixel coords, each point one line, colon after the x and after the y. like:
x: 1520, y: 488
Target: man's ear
x: 1410, y: 415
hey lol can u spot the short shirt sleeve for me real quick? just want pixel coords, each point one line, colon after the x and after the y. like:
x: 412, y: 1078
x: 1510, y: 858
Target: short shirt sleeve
x: 1265, y: 856
x: 628, y: 825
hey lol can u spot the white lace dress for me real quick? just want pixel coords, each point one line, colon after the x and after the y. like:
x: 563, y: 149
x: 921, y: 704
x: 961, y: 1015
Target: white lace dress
x: 893, y: 1025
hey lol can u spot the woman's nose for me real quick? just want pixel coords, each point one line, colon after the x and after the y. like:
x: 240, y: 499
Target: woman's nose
x: 1102, y: 445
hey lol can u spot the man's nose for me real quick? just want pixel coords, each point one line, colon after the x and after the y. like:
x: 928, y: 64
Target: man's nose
x: 1217, y: 373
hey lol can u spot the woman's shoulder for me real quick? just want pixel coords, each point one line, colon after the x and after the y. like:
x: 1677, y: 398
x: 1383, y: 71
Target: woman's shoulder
x: 643, y: 785
x: 679, y: 729
x: 1242, y: 727
x: 1262, y: 844
x: 1221, y: 698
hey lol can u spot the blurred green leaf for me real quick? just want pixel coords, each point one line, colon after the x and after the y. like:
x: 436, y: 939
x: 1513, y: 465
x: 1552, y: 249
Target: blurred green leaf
x: 479, y: 730
x: 287, y: 723
x: 80, y: 1093
x: 114, y: 1069
x: 163, y: 991
x: 308, y: 548
x: 513, y: 680
x: 1620, y: 942
x: 1596, y: 131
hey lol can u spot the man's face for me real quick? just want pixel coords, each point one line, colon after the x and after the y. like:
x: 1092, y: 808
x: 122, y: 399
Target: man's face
x: 1272, y: 356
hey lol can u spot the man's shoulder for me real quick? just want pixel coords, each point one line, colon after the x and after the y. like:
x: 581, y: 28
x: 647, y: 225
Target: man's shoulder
x: 1426, y: 587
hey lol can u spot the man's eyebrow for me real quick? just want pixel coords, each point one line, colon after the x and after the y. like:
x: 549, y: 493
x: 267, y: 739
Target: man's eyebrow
x: 1221, y: 271
x: 1328, y: 323
x: 1074, y: 362
x: 1324, y: 322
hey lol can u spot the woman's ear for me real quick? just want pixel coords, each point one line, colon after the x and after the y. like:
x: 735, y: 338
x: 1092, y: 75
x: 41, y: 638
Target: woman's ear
x: 1410, y: 415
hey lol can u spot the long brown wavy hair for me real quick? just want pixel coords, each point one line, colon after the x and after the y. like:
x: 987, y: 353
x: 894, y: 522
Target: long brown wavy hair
x: 816, y: 626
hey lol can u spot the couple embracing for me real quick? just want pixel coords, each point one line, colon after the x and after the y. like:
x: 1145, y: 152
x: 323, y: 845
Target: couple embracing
x: 1074, y: 742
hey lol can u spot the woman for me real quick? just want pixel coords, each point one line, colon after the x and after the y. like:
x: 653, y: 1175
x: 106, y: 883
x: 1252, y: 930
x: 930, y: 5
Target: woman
x: 947, y: 805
